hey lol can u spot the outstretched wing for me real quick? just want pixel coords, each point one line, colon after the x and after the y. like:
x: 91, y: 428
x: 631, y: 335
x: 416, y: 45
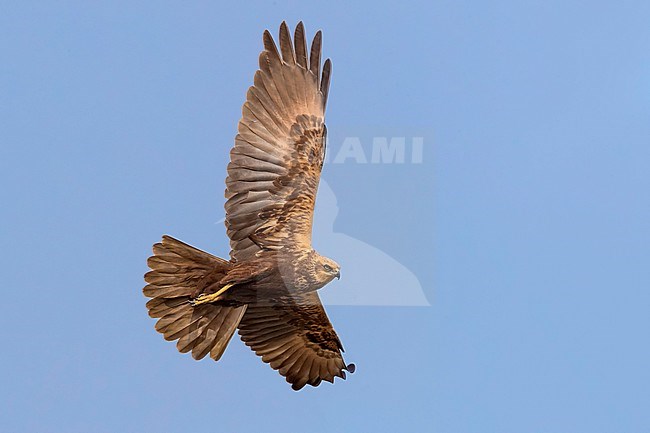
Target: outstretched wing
x: 276, y: 162
x: 294, y: 335
x: 271, y: 188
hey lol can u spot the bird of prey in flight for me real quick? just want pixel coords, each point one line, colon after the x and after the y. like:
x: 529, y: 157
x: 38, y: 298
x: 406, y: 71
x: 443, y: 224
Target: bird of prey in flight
x: 268, y: 289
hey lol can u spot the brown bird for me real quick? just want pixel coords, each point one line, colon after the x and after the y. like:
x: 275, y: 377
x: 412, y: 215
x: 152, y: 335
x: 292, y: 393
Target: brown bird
x: 268, y: 288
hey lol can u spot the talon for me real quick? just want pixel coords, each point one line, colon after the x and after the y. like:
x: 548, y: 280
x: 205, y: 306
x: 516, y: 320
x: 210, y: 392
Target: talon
x: 205, y: 299
x: 196, y: 301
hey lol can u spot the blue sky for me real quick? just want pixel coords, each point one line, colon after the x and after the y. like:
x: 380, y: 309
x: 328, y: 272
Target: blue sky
x: 526, y: 224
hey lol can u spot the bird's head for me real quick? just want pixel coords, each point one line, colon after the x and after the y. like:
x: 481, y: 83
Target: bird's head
x: 325, y: 269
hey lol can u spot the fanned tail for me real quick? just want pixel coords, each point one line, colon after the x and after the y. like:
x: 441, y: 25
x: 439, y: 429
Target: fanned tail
x: 179, y: 273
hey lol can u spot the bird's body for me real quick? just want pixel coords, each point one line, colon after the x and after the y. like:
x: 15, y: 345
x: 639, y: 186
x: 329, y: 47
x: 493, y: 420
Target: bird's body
x: 267, y: 290
x: 270, y: 275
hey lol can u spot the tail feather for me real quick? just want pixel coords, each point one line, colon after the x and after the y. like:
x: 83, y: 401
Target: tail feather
x: 179, y: 272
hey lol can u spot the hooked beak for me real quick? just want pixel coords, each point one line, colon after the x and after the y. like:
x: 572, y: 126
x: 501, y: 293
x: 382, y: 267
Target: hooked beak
x: 338, y: 275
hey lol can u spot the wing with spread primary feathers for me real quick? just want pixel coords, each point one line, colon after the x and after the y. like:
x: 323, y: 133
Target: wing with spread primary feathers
x: 276, y: 162
x: 296, y: 338
x: 273, y: 177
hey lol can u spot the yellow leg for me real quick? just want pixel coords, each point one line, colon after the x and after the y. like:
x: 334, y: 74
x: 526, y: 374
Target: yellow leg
x: 205, y: 299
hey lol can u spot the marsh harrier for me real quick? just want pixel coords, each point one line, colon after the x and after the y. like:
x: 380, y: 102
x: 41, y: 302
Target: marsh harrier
x: 268, y: 288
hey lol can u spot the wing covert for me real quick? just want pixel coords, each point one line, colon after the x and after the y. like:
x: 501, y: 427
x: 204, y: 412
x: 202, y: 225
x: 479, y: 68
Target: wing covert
x: 279, y: 150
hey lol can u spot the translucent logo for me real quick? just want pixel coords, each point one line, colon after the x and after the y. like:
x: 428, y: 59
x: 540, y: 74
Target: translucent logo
x: 369, y: 276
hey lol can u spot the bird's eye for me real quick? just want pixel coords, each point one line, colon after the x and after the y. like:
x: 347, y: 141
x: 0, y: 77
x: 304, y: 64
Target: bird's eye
x: 328, y: 268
